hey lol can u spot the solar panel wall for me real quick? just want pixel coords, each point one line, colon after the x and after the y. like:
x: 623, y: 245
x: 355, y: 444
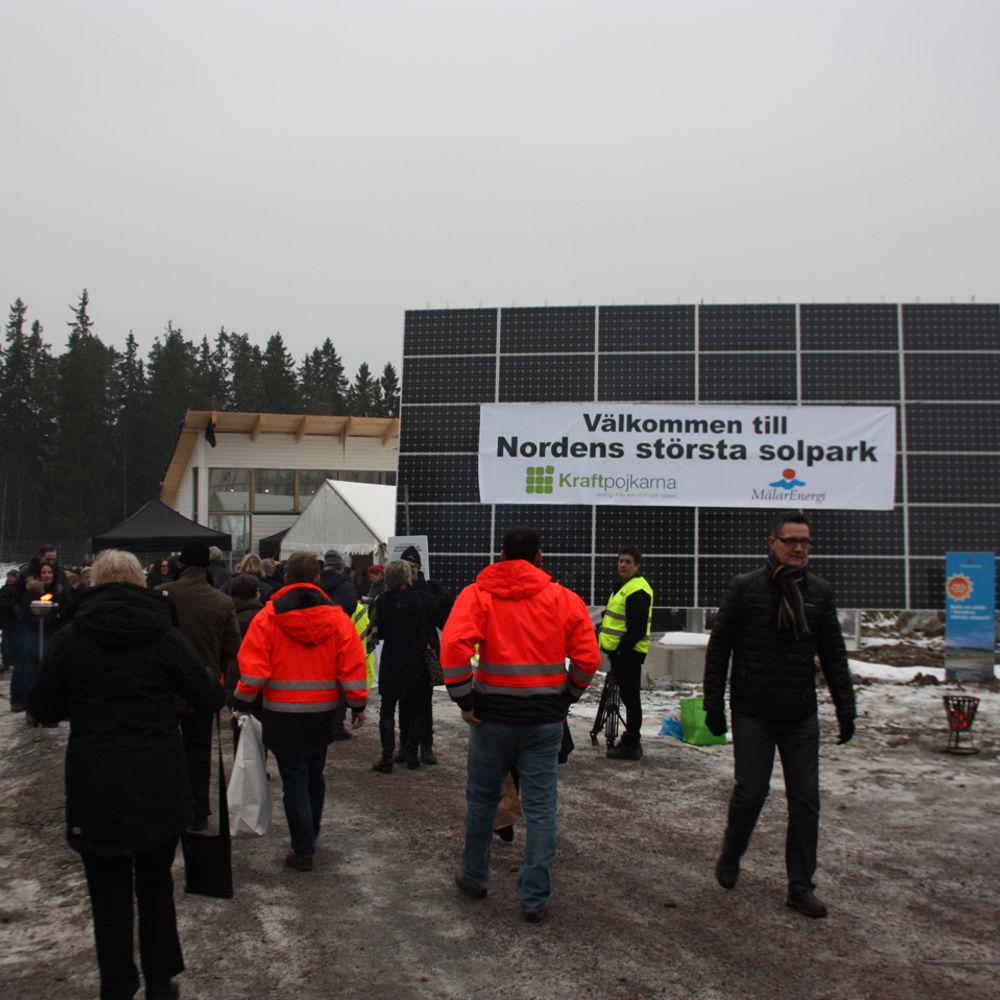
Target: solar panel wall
x: 939, y: 365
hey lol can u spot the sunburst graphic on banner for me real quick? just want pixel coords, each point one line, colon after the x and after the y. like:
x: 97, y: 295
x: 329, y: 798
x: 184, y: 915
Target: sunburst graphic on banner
x: 959, y: 587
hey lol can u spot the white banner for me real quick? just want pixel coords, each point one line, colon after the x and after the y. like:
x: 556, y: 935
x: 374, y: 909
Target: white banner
x: 834, y: 457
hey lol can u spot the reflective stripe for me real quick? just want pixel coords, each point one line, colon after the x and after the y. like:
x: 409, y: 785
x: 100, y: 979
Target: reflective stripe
x: 520, y: 669
x: 460, y: 690
x: 615, y: 615
x: 579, y: 675
x: 517, y: 692
x: 252, y: 681
x: 325, y: 685
x: 300, y: 707
x: 354, y: 685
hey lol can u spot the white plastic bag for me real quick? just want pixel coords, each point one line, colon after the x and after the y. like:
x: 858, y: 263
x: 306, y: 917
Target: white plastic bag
x: 248, y: 793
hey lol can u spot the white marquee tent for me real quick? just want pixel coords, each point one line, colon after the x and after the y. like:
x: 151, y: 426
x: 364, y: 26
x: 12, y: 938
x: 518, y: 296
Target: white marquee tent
x: 353, y: 518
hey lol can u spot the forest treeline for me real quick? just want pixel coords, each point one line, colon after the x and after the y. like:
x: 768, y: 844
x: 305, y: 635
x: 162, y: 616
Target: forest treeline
x: 86, y: 436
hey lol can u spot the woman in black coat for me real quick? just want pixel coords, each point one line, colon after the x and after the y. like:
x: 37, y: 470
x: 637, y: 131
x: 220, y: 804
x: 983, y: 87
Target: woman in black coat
x: 114, y: 671
x: 400, y: 620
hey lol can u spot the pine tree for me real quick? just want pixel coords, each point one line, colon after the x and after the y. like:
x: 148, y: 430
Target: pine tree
x: 365, y: 394
x: 389, y: 384
x: 280, y: 395
x: 247, y: 364
x: 323, y: 385
x: 26, y: 386
x: 137, y: 471
x: 213, y: 374
x: 81, y: 474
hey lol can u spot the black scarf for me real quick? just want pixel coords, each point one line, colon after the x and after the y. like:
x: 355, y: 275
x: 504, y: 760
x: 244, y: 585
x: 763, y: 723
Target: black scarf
x: 791, y: 610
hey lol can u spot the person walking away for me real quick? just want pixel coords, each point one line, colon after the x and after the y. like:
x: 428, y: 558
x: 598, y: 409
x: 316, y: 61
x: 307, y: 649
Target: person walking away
x: 525, y: 627
x: 114, y: 671
x: 207, y: 619
x: 302, y: 651
x: 770, y: 626
x: 437, y: 604
x: 402, y: 626
x: 624, y: 637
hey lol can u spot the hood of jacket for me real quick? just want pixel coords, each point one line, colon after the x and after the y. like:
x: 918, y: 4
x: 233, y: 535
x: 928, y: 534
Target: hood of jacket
x: 304, y: 613
x: 121, y: 615
x: 513, y: 579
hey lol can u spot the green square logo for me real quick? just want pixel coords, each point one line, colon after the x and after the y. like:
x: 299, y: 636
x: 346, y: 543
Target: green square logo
x: 538, y: 479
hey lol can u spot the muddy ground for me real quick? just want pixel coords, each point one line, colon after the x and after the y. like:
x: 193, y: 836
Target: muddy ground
x: 909, y: 852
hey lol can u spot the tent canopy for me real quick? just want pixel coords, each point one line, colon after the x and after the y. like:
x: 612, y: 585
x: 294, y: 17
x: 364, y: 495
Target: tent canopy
x: 156, y: 527
x: 353, y: 518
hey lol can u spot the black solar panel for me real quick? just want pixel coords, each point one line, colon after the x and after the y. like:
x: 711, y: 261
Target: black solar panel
x: 939, y: 365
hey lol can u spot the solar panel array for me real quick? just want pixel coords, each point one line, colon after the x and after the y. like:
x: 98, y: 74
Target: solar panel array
x: 938, y: 365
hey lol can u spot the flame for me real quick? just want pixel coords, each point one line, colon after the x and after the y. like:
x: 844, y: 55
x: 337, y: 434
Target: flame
x: 45, y: 597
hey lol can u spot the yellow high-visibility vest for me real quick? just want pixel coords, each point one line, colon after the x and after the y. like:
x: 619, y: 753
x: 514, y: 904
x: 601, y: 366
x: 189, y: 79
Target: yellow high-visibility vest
x: 613, y: 622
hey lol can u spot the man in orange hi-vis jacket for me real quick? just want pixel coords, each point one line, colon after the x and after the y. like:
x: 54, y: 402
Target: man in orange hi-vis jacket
x: 525, y: 627
x: 302, y: 651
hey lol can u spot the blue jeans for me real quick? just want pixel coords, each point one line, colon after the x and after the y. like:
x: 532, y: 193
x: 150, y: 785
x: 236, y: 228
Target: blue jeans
x: 754, y: 743
x: 304, y: 789
x: 494, y: 748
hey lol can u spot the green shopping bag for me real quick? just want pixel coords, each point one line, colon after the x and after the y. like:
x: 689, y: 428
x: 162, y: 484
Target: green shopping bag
x: 693, y: 720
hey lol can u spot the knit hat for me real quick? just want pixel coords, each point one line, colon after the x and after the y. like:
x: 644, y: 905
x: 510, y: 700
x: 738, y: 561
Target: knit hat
x: 194, y: 554
x: 333, y: 559
x: 412, y: 555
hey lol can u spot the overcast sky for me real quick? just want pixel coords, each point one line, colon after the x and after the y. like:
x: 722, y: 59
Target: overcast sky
x: 318, y: 168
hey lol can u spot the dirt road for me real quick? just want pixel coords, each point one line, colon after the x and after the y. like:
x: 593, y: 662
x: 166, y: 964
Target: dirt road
x: 909, y: 867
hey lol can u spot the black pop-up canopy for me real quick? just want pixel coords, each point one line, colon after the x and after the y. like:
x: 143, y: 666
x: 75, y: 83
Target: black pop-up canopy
x: 156, y: 527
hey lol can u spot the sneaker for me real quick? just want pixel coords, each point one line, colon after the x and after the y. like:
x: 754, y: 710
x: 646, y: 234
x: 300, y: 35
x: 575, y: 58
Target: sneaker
x: 292, y: 860
x: 535, y: 916
x: 805, y: 901
x: 622, y: 752
x: 727, y: 870
x: 471, y: 890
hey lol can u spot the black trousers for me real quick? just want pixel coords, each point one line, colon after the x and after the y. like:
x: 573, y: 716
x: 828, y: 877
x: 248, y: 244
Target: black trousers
x: 422, y: 710
x: 754, y: 743
x: 411, y: 723
x: 627, y: 668
x: 196, y: 731
x: 112, y: 882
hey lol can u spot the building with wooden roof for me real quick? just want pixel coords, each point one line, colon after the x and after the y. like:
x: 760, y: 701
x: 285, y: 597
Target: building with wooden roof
x: 252, y: 474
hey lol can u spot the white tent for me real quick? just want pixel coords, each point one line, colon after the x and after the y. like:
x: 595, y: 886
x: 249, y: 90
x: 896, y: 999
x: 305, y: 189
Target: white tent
x: 353, y: 518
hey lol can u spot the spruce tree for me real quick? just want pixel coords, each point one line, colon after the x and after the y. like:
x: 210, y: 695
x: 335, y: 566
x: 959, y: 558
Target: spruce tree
x: 389, y: 384
x: 365, y: 394
x: 247, y: 364
x: 280, y: 395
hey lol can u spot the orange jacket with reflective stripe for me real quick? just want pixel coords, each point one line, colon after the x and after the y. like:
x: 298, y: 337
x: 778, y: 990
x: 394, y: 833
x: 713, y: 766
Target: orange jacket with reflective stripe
x: 525, y: 626
x: 301, y: 649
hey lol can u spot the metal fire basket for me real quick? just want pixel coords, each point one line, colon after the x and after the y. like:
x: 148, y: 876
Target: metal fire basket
x: 961, y: 711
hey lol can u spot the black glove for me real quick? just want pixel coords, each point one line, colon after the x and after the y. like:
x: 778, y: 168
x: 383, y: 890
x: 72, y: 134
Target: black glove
x: 846, y: 731
x: 716, y: 722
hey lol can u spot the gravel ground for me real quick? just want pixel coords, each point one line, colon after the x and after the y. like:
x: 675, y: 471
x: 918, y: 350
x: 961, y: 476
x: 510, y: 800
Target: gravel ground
x: 908, y: 851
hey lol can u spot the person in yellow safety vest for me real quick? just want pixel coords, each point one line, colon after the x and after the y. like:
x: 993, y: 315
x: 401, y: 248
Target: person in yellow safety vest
x: 363, y: 625
x: 624, y: 636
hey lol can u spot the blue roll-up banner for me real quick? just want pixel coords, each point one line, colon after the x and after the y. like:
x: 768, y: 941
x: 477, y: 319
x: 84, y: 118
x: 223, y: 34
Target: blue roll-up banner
x: 970, y: 615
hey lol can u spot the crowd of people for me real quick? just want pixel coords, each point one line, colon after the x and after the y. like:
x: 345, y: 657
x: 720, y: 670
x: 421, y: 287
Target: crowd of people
x: 294, y: 645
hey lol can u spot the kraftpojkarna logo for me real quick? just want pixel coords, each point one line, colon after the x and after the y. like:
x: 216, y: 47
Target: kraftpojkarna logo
x: 539, y: 478
x: 959, y: 587
x: 787, y: 481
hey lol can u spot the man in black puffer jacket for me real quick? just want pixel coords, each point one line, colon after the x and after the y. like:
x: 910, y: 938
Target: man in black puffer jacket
x: 772, y: 623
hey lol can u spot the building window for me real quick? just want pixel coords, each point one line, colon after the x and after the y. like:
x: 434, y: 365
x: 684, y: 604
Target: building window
x: 274, y: 491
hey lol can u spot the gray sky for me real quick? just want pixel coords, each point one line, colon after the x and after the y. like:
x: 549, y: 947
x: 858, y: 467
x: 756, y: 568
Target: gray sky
x: 320, y: 167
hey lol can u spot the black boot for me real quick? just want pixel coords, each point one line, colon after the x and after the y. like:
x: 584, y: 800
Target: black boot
x: 384, y: 763
x: 427, y: 755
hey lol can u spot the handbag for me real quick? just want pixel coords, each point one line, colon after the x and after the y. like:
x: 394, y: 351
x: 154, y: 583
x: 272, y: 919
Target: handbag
x: 208, y: 860
x: 693, y: 720
x: 249, y: 795
x: 435, y: 673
